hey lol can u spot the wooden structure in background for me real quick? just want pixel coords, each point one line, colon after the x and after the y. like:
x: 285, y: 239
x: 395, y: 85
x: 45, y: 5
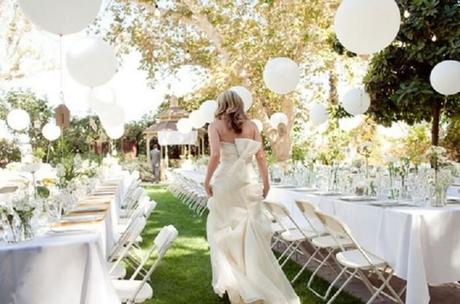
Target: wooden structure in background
x: 167, y: 121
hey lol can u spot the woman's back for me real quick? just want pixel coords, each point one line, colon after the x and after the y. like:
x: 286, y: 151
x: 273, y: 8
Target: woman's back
x: 229, y: 135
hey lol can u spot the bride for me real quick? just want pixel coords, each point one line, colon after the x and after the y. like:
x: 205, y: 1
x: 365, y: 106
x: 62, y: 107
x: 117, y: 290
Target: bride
x: 243, y: 265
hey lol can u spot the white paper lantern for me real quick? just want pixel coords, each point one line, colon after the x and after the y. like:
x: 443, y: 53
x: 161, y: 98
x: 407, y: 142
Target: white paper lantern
x: 356, y: 101
x: 278, y: 118
x: 18, y: 119
x: 197, y: 119
x: 245, y: 95
x: 91, y: 62
x: 115, y: 132
x: 112, y: 116
x: 281, y: 75
x: 184, y: 125
x: 259, y: 124
x: 51, y: 132
x: 100, y: 98
x: 367, y: 26
x: 318, y: 114
x: 208, y: 110
x: 61, y: 16
x: 445, y: 77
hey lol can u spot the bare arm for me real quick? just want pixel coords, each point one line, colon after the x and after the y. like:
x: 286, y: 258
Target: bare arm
x: 262, y: 164
x: 214, y: 143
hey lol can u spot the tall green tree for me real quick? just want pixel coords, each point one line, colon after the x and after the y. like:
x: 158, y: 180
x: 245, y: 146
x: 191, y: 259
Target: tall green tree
x: 398, y: 77
x: 232, y: 41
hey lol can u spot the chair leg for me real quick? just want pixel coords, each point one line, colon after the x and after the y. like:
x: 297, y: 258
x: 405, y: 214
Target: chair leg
x: 343, y: 285
x: 310, y: 281
x: 304, y: 266
x: 290, y: 254
x: 285, y: 251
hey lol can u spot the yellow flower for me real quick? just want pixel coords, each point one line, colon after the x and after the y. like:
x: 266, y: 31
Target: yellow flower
x: 48, y: 182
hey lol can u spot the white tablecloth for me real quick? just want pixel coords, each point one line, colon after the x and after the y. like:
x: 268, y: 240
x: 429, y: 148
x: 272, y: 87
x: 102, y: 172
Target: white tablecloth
x: 422, y: 245
x: 64, y: 267
x: 55, y: 270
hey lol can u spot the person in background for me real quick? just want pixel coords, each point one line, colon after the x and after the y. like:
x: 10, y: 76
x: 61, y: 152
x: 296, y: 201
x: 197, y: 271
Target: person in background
x: 155, y: 159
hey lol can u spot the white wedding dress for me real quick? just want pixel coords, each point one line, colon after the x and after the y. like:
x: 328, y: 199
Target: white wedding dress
x: 239, y: 234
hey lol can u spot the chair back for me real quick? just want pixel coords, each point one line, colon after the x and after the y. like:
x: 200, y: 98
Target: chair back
x: 309, y: 211
x: 149, y: 207
x: 338, y: 229
x: 280, y: 212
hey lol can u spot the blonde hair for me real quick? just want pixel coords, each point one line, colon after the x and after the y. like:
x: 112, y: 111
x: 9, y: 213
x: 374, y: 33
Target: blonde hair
x: 231, y: 106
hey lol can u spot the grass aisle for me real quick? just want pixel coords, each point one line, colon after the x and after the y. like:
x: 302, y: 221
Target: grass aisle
x: 184, y: 276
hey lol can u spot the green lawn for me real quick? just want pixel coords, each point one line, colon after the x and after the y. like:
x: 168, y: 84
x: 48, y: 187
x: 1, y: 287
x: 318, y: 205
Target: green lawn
x: 184, y: 276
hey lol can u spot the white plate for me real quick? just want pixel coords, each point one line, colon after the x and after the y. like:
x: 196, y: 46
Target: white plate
x: 96, y: 208
x: 82, y: 218
x: 357, y: 198
x: 326, y: 193
x: 284, y: 186
x: 305, y: 189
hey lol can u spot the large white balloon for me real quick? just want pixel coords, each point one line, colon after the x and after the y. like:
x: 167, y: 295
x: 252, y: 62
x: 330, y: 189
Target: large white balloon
x: 367, y: 26
x: 356, y: 101
x: 18, y: 119
x: 245, y: 95
x: 208, y: 110
x: 184, y: 125
x: 281, y: 75
x: 278, y: 118
x: 318, y: 114
x: 445, y: 77
x: 115, y: 132
x: 197, y: 119
x: 51, y: 132
x: 91, y: 62
x: 259, y: 124
x: 100, y: 98
x: 112, y: 116
x: 61, y: 16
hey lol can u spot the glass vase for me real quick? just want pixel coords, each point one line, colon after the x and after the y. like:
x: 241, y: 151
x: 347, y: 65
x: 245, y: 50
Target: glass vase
x: 442, y: 180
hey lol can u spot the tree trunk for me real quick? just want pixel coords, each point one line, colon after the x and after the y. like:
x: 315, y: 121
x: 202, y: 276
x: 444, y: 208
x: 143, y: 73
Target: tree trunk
x: 435, y: 123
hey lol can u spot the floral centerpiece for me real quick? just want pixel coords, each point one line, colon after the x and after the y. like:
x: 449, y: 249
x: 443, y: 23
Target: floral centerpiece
x: 444, y: 169
x: 17, y: 217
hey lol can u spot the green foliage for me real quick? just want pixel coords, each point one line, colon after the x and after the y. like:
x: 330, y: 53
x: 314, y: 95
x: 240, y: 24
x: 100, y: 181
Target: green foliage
x: 332, y: 150
x: 417, y: 143
x: 9, y: 152
x: 82, y: 133
x: 39, y: 110
x: 452, y: 140
x: 134, y: 132
x: 398, y: 77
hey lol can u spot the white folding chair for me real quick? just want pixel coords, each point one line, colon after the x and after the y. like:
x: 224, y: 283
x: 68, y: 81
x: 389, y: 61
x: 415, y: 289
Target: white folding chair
x: 124, y: 246
x: 137, y: 291
x: 358, y: 260
x: 319, y: 234
x: 129, y: 236
x: 294, y: 236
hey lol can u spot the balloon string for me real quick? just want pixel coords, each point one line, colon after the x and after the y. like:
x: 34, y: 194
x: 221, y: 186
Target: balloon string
x: 61, y: 72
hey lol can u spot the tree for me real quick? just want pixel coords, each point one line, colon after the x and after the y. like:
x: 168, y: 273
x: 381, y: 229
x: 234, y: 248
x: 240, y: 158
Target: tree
x: 398, y: 77
x: 39, y: 111
x: 232, y: 40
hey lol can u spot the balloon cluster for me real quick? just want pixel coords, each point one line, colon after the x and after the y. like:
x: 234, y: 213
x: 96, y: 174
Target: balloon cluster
x: 91, y: 61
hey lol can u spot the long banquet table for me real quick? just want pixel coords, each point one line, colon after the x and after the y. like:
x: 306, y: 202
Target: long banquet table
x: 422, y: 245
x: 68, y: 264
